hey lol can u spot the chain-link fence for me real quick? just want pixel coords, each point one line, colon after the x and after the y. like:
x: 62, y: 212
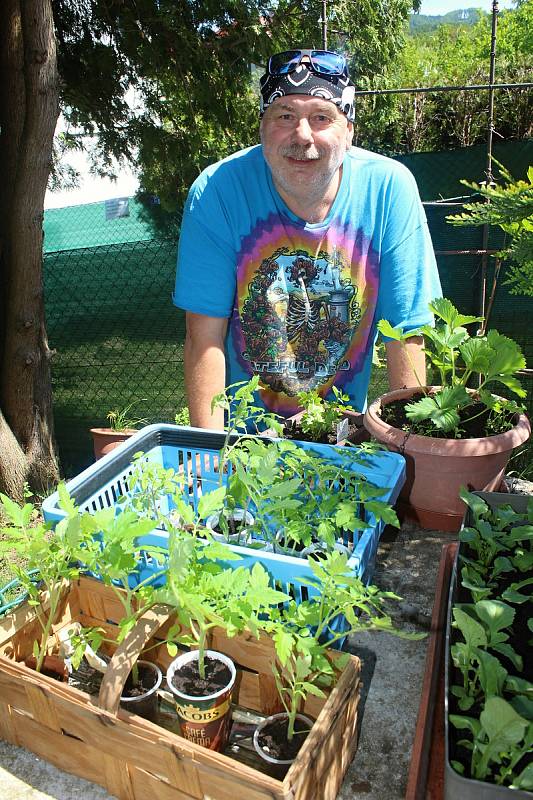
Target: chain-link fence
x: 109, y: 275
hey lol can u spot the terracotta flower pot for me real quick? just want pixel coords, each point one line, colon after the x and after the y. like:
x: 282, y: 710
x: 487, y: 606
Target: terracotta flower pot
x: 52, y: 665
x: 437, y: 468
x: 105, y: 439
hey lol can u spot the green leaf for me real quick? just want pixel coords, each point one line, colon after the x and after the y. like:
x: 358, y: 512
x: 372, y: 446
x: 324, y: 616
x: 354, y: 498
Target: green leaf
x: 65, y: 501
x: 496, y: 616
x: 524, y: 780
x: 312, y: 689
x: 465, y: 723
x: 211, y: 502
x: 284, y: 643
x: 473, y: 632
x: 477, y: 355
x: 508, y: 357
x: 505, y: 728
x: 492, y: 674
x: 387, y: 330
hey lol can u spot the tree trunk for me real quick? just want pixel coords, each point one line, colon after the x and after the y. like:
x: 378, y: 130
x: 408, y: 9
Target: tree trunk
x: 29, y: 108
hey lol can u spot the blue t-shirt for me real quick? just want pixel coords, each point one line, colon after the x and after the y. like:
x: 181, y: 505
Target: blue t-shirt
x: 303, y: 299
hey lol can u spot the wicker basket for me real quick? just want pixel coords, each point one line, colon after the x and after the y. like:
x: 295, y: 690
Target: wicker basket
x: 135, y: 759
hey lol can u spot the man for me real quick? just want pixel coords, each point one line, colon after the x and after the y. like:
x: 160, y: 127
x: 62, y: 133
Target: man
x: 291, y: 252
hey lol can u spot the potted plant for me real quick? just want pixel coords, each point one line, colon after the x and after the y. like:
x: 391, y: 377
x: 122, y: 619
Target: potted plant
x: 50, y: 559
x: 489, y: 681
x: 121, y: 426
x: 300, y: 499
x: 112, y: 554
x: 326, y: 421
x: 243, y: 419
x: 40, y: 710
x: 304, y: 635
x: 452, y: 435
x: 208, y: 596
x: 104, y: 544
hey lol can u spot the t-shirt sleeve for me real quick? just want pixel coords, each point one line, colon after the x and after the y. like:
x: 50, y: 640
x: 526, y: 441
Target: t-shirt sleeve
x: 206, y: 267
x: 409, y: 278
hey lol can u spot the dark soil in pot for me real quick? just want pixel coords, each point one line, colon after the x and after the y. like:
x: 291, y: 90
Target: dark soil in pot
x: 235, y: 526
x: 187, y: 680
x: 290, y: 544
x: 474, y: 420
x: 146, y: 681
x: 273, y: 739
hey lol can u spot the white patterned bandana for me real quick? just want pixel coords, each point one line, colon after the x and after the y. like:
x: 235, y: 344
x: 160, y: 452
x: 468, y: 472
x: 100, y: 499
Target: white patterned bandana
x: 339, y: 89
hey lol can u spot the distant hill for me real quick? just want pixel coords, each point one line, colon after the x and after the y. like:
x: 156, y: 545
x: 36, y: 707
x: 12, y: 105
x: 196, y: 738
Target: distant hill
x: 420, y: 23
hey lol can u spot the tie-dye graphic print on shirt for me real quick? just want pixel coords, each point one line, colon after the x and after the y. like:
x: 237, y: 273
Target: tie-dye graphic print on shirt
x: 304, y: 307
x: 303, y: 299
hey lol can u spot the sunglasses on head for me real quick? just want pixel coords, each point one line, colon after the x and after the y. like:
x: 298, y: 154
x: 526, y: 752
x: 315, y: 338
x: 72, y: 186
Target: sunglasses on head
x: 321, y: 62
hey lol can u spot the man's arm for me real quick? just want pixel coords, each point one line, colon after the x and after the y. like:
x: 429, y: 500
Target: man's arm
x: 406, y: 369
x: 205, y: 368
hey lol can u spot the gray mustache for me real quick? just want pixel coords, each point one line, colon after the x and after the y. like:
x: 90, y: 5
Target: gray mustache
x: 300, y: 153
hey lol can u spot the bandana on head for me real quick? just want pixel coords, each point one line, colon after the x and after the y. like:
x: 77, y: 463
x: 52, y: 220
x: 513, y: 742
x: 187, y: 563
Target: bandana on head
x: 337, y: 88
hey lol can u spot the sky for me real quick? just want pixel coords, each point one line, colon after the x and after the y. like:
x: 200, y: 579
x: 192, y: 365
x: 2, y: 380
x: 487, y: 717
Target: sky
x: 95, y: 190
x: 92, y: 189
x: 443, y: 6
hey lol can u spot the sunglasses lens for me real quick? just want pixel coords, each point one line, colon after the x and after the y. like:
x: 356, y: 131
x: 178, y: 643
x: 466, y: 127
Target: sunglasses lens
x: 326, y: 63
x: 282, y: 63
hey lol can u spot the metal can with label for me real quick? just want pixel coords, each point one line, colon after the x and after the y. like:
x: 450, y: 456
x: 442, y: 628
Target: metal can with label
x: 204, y: 720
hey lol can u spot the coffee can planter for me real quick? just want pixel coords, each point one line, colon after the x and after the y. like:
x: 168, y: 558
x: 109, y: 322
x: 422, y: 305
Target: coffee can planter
x: 205, y: 720
x: 456, y: 785
x: 133, y: 758
x: 144, y: 704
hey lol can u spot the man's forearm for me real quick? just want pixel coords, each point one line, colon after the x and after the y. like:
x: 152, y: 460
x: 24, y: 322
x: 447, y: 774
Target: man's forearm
x: 205, y: 376
x: 406, y: 363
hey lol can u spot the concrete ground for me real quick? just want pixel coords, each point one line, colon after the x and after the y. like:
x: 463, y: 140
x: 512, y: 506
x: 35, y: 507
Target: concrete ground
x: 393, y: 669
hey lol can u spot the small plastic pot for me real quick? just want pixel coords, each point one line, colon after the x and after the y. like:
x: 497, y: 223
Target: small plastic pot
x: 280, y: 546
x: 204, y: 720
x: 281, y: 765
x: 146, y: 704
x: 243, y: 535
x: 321, y: 548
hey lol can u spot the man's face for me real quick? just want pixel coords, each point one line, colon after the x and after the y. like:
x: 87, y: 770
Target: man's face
x: 304, y: 142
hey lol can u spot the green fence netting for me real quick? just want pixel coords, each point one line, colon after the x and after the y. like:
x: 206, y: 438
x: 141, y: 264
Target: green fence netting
x: 109, y: 275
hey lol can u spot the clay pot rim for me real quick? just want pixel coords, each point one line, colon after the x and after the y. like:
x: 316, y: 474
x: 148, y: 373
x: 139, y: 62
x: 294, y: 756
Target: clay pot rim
x: 112, y: 432
x: 430, y: 444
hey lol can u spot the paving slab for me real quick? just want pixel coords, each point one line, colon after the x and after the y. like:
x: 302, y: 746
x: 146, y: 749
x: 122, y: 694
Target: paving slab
x: 393, y: 669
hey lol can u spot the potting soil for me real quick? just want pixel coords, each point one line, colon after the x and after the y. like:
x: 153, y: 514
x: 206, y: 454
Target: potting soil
x: 273, y: 739
x: 294, y: 432
x: 188, y: 681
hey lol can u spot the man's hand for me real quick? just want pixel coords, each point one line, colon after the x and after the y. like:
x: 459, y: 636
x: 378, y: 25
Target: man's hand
x: 406, y: 369
x: 205, y: 368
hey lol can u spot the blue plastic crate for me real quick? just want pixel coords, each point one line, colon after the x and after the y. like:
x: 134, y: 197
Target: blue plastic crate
x: 195, y: 451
